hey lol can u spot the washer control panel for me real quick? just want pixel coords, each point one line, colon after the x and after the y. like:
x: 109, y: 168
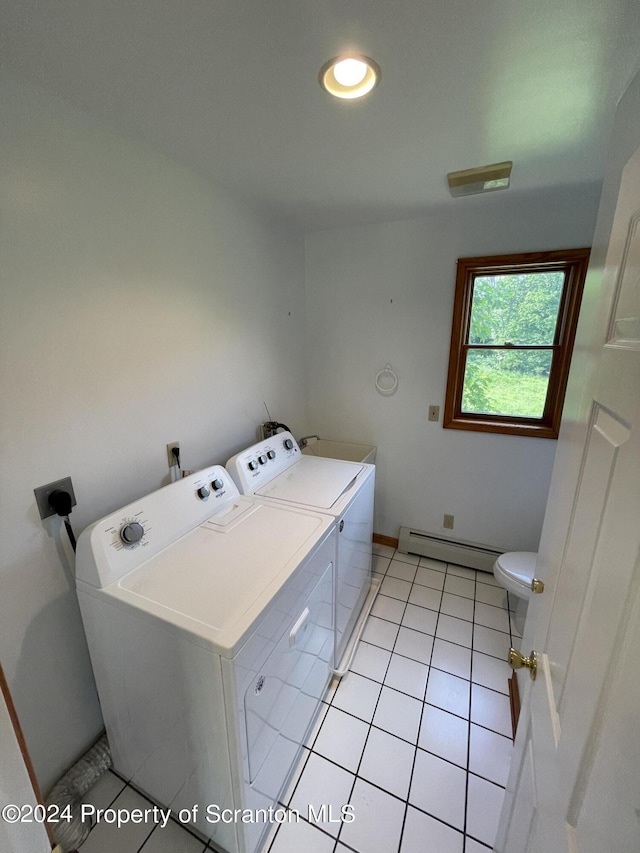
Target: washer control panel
x: 120, y: 542
x: 260, y: 463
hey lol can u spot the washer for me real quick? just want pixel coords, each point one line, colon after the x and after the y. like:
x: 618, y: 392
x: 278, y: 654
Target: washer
x: 209, y: 622
x: 276, y: 470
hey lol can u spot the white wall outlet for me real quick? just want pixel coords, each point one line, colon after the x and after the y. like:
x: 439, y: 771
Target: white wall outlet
x: 448, y: 522
x: 434, y: 413
x: 170, y: 457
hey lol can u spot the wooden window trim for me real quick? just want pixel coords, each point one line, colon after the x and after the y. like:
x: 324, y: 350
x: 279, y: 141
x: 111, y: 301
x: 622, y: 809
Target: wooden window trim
x: 574, y: 263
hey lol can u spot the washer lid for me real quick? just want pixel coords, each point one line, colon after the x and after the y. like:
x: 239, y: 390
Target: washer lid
x: 312, y: 481
x: 217, y: 579
x: 521, y: 565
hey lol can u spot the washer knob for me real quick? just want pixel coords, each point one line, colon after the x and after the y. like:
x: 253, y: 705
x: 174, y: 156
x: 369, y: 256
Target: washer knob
x: 217, y: 484
x: 271, y: 454
x: 203, y: 493
x: 131, y: 533
x: 253, y: 465
x: 288, y: 444
x: 262, y: 459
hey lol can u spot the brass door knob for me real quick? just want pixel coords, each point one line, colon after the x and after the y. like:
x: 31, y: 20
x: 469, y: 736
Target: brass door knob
x: 537, y: 586
x: 518, y: 660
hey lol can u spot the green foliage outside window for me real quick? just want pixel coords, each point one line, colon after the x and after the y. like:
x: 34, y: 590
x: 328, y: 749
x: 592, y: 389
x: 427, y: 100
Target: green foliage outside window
x: 517, y: 310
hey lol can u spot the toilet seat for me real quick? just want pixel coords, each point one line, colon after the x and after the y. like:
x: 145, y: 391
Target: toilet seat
x: 515, y: 570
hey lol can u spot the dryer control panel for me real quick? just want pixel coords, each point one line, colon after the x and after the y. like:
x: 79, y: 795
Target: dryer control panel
x: 123, y: 540
x: 260, y: 463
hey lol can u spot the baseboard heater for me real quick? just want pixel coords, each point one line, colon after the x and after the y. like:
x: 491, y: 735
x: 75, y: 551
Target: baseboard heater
x: 468, y: 554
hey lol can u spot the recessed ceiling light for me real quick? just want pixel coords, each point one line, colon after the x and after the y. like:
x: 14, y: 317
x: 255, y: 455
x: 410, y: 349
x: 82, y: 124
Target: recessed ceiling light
x: 350, y: 76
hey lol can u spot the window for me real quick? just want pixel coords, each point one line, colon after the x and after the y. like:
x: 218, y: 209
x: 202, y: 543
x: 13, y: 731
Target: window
x: 514, y: 323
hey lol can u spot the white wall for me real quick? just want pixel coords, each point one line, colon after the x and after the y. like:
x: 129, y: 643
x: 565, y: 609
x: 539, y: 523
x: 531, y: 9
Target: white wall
x: 140, y: 305
x: 383, y: 294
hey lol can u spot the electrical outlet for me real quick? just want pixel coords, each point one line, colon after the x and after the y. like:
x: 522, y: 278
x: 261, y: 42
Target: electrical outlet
x: 434, y: 413
x: 448, y: 522
x: 170, y: 457
x: 42, y: 495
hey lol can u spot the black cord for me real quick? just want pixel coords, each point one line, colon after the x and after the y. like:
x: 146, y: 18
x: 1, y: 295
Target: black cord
x: 60, y: 502
x: 70, y: 533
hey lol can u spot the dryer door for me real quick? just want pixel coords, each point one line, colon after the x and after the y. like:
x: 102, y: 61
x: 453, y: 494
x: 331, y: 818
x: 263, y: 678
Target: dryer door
x: 281, y: 703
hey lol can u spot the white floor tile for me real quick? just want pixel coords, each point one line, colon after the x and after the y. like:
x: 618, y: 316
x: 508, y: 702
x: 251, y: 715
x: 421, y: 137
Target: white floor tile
x: 388, y: 608
x: 323, y: 783
x: 425, y: 596
x: 341, y: 739
x: 491, y: 710
x: 486, y: 577
x: 378, y: 824
x: 451, y: 658
x: 414, y: 644
x: 492, y: 617
x: 383, y: 550
x: 313, y: 734
x: 420, y: 619
x: 395, y: 588
x: 483, y: 809
x: 491, y: 642
x: 398, y: 714
x: 300, y: 835
x: 456, y: 605
x: 494, y: 595
x: 444, y: 734
x: 461, y: 571
x: 379, y: 565
x: 407, y: 676
x: 104, y: 792
x: 490, y: 755
x: 439, y: 788
x: 448, y: 692
x: 430, y: 577
x: 414, y: 559
x: 455, y: 630
x: 472, y: 846
x: 357, y: 695
x: 460, y: 586
x: 371, y: 661
x: 423, y: 834
x: 105, y: 837
x: 387, y: 762
x: 380, y: 632
x: 173, y: 837
x: 404, y: 571
x: 490, y: 672
x: 428, y: 563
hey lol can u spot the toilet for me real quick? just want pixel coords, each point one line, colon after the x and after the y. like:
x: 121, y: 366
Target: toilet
x: 514, y: 571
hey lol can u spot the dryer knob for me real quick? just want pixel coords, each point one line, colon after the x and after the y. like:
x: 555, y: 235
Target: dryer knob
x: 131, y: 533
x: 203, y: 493
x: 252, y: 465
x: 217, y: 484
x: 288, y: 444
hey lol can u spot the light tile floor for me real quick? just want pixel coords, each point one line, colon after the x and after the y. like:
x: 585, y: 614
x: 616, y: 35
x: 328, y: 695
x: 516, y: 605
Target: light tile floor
x: 416, y: 738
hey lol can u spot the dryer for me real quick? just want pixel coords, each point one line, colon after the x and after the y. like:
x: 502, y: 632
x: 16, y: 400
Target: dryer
x: 209, y: 622
x: 276, y: 470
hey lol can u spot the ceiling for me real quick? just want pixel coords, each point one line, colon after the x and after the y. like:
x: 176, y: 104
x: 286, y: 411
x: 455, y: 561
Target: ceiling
x: 229, y: 88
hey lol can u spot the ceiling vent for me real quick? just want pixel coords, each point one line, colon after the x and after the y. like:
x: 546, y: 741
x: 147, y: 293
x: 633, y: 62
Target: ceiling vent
x: 481, y: 180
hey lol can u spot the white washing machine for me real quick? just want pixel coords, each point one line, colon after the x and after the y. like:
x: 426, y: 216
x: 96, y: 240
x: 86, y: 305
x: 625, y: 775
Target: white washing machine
x: 209, y: 618
x: 276, y: 470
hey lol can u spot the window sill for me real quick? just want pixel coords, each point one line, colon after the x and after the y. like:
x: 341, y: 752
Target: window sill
x: 526, y: 428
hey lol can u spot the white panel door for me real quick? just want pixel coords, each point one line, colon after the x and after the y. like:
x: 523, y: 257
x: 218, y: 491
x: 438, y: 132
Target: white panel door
x: 575, y: 782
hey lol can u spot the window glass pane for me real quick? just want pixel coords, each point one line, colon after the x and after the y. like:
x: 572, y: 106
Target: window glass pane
x: 506, y: 382
x: 520, y: 309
